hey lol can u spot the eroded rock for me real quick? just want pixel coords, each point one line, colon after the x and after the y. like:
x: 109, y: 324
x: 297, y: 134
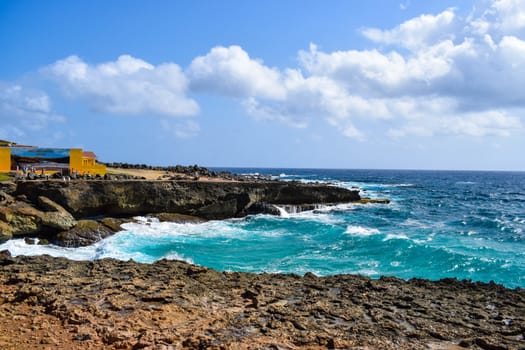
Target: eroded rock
x: 114, y: 304
x: 85, y: 232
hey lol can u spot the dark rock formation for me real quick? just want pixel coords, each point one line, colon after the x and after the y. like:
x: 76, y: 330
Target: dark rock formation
x: 263, y: 208
x: 28, y: 210
x: 86, y: 232
x: 61, y: 304
x: 210, y: 200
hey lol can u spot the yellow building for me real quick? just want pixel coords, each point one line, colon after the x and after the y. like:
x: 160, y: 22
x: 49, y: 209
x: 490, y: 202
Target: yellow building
x: 85, y: 163
x: 48, y: 160
x: 5, y: 159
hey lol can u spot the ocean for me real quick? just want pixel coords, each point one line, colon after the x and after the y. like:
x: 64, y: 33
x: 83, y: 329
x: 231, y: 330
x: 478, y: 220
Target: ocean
x: 462, y: 224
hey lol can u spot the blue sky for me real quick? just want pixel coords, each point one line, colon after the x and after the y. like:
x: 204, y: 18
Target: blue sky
x: 334, y: 84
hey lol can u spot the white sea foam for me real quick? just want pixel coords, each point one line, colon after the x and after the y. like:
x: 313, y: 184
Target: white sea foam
x: 361, y: 231
x: 391, y: 236
x: 176, y: 256
x: 19, y: 247
x: 282, y: 212
x: 321, y: 213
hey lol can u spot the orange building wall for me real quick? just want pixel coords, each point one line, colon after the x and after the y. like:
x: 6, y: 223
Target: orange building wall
x: 5, y: 159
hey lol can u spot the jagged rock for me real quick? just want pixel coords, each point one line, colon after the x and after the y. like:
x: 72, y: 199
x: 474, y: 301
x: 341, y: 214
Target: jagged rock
x: 171, y: 304
x: 6, y: 198
x: 374, y: 201
x: 177, y: 218
x: 8, y: 187
x: 86, y: 232
x: 263, y: 208
x: 55, y: 216
x: 48, y: 205
x: 18, y: 218
x: 115, y: 224
x: 6, y: 258
x: 6, y: 232
x: 210, y: 200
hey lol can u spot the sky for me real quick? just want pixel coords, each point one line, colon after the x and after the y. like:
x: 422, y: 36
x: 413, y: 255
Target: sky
x: 411, y: 84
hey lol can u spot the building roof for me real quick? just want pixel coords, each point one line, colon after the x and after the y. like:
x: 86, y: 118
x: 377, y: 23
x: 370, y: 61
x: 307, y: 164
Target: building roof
x: 89, y: 155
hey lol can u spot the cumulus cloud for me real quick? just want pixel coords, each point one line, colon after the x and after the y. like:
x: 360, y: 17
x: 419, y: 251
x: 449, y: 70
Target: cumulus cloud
x: 24, y: 110
x: 502, y: 17
x: 230, y: 71
x: 416, y: 32
x: 436, y: 74
x: 126, y: 86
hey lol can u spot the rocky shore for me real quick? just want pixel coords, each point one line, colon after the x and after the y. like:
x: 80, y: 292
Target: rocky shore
x: 82, y: 212
x: 55, y: 303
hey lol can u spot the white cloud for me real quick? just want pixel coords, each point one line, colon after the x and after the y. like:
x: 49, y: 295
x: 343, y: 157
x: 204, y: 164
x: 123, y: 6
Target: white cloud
x: 435, y: 74
x: 489, y: 123
x: 452, y: 80
x: 127, y: 86
x: 416, y: 32
x: 24, y: 110
x: 230, y: 71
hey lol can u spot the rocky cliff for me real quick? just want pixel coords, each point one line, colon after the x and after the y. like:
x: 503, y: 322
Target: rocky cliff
x: 210, y: 200
x: 56, y: 209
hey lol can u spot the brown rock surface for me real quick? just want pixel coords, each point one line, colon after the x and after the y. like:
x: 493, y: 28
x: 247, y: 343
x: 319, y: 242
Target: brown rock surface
x: 54, y: 303
x: 19, y: 218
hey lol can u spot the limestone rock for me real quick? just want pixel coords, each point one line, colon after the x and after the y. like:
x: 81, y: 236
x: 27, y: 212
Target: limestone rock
x: 6, y: 232
x: 115, y: 224
x: 55, y: 216
x: 8, y: 187
x: 86, y: 232
x: 171, y: 304
x: 210, y: 200
x: 177, y: 218
x: 18, y: 218
x: 6, y: 198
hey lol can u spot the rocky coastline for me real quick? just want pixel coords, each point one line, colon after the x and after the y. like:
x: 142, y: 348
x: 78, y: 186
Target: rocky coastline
x: 55, y: 303
x: 81, y: 212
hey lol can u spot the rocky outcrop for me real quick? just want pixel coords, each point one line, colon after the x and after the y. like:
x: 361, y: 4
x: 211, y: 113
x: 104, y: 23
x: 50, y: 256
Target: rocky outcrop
x: 85, y: 232
x: 27, y: 209
x: 210, y: 200
x: 21, y: 218
x: 109, y: 304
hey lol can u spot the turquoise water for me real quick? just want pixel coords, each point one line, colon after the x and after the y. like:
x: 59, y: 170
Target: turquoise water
x: 469, y: 225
